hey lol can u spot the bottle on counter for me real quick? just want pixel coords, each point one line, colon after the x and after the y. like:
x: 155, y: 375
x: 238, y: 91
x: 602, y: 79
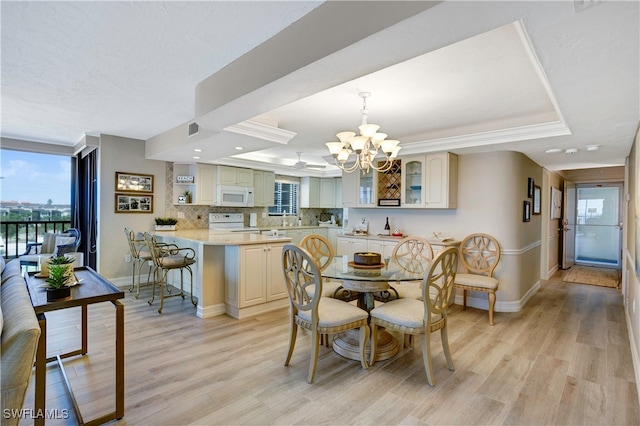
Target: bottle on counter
x: 387, y: 228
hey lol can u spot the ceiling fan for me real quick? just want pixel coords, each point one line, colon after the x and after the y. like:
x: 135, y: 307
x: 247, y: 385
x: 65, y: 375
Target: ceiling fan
x: 304, y: 165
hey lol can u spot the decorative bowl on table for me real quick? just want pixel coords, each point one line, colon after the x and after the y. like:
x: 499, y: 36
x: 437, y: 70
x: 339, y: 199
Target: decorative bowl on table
x: 367, y: 258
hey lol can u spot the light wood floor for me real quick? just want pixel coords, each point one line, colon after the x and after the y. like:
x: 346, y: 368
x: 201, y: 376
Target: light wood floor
x: 564, y: 359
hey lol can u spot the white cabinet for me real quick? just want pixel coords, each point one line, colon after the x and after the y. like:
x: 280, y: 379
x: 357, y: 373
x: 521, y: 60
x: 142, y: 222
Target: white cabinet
x: 337, y: 182
x: 430, y: 181
x: 332, y: 236
x: 235, y: 176
x: 205, y: 184
x: 347, y: 246
x: 309, y: 192
x: 203, y: 187
x: 253, y: 276
x: 358, y: 189
x: 441, y: 181
x: 263, y: 188
x: 327, y: 193
x: 384, y: 247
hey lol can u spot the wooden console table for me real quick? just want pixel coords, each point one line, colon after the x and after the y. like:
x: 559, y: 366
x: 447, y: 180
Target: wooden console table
x: 93, y: 288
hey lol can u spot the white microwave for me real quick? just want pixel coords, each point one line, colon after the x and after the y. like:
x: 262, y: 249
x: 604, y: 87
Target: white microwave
x: 235, y: 196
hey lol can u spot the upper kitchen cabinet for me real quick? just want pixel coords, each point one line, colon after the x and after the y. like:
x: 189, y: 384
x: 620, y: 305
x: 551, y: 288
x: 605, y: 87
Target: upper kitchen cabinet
x: 358, y: 189
x: 202, y: 187
x: 327, y: 193
x: 430, y: 181
x: 235, y: 176
x: 309, y: 192
x: 263, y: 188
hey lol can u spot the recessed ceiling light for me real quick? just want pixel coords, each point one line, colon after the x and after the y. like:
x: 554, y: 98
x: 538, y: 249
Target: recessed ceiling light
x: 195, y: 157
x: 553, y: 151
x: 239, y: 148
x: 593, y: 147
x: 197, y: 150
x: 570, y: 151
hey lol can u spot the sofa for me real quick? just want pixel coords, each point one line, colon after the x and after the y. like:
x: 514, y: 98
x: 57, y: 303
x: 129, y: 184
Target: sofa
x: 20, y: 332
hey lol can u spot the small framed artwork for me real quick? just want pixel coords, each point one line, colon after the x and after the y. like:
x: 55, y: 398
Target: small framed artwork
x: 134, y: 182
x: 536, y: 199
x: 526, y: 211
x: 128, y: 203
x: 530, y: 185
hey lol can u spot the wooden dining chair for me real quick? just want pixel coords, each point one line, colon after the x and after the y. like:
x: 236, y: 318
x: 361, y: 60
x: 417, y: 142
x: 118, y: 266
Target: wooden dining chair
x: 416, y: 317
x: 319, y: 315
x: 320, y: 249
x: 479, y: 254
x: 411, y: 254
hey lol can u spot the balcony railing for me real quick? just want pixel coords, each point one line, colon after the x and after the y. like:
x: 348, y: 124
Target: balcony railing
x: 15, y: 235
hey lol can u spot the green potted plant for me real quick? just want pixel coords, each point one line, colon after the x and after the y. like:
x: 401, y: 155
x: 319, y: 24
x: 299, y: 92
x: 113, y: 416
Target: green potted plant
x: 165, y: 223
x: 60, y: 277
x: 187, y: 195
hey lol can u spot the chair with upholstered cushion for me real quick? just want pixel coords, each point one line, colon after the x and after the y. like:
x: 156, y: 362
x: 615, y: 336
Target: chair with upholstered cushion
x: 415, y: 317
x: 140, y: 256
x: 320, y: 249
x: 479, y: 256
x: 168, y: 257
x: 54, y: 244
x: 319, y: 315
x: 410, y: 254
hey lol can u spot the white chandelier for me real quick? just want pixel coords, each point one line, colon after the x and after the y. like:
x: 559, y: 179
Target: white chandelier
x: 364, y: 147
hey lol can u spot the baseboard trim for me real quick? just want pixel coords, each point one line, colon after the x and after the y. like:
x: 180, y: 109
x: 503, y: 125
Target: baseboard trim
x: 210, y: 311
x: 481, y: 301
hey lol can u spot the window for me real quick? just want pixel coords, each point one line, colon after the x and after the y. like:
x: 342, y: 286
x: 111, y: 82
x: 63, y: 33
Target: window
x: 286, y: 199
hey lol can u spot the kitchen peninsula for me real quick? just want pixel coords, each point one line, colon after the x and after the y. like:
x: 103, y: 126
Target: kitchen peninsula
x: 239, y: 274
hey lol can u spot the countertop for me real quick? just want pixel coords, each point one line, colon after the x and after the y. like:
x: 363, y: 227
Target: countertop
x: 440, y: 242
x: 203, y: 236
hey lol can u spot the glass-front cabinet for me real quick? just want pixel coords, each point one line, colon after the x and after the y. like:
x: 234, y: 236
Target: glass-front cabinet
x: 413, y: 175
x: 359, y: 189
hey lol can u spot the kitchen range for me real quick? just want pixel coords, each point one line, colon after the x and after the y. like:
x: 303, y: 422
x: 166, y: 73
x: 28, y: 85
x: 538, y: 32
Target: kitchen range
x: 229, y: 222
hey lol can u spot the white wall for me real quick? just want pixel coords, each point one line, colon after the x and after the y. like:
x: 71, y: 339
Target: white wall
x: 119, y: 154
x: 491, y: 191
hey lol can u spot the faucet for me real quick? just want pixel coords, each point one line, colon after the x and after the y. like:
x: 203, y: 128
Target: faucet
x: 284, y: 218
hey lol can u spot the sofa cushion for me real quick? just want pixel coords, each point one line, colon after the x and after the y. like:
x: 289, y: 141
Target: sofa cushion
x: 19, y: 339
x: 61, y: 242
x: 11, y: 269
x: 2, y: 263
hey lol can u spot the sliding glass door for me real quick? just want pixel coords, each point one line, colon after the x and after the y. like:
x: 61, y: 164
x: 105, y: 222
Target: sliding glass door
x: 598, y: 225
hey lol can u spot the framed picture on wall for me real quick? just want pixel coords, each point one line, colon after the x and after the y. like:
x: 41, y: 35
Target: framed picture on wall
x: 526, y: 211
x: 128, y: 203
x: 134, y: 182
x: 536, y: 199
x: 530, y: 185
x: 556, y: 203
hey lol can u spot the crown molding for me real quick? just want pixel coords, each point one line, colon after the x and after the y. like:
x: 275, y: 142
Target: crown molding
x: 262, y: 131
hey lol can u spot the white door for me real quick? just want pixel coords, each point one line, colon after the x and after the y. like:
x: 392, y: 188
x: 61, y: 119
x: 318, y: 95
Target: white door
x: 569, y: 225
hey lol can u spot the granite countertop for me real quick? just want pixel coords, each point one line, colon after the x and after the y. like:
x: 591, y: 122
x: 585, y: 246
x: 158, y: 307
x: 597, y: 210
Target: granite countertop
x: 203, y: 236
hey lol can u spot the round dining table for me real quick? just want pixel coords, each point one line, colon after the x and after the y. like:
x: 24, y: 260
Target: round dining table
x: 368, y: 284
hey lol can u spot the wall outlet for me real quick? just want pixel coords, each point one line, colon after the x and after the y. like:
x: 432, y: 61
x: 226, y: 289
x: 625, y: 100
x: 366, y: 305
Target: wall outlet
x: 264, y: 215
x: 181, y: 215
x: 127, y: 258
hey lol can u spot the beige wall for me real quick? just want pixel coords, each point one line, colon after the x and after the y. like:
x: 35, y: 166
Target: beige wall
x: 631, y: 256
x: 119, y: 154
x: 491, y: 191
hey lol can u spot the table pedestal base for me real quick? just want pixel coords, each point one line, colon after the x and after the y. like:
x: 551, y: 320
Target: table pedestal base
x: 347, y: 344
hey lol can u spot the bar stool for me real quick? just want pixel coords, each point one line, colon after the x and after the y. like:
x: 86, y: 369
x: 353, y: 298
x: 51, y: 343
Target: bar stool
x: 140, y: 256
x: 168, y: 257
